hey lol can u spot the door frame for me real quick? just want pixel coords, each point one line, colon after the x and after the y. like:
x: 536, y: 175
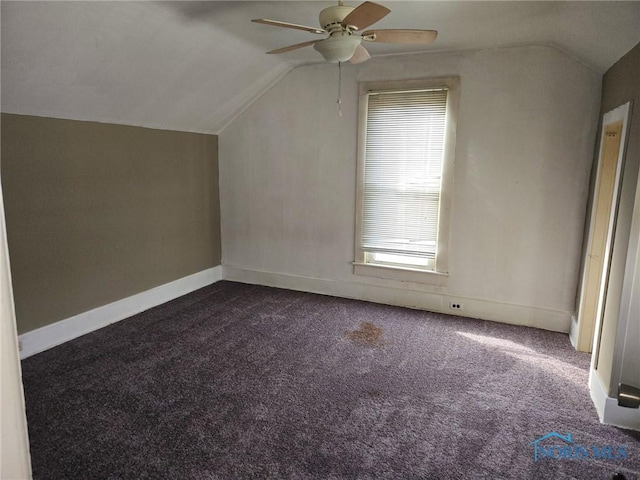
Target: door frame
x: 588, y: 327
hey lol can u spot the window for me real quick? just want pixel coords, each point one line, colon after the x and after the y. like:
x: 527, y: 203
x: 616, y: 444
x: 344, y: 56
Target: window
x: 406, y: 143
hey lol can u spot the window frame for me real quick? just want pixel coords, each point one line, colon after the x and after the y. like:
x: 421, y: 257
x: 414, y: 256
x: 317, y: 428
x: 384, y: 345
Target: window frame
x: 439, y: 275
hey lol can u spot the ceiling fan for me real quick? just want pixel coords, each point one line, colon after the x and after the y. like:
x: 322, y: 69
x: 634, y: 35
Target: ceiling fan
x: 341, y: 23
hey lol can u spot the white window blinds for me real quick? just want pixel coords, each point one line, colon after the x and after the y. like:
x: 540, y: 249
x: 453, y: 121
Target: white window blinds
x: 404, y: 153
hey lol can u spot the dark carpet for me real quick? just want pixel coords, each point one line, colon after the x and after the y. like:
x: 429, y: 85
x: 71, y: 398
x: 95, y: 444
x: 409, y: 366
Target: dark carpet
x: 240, y: 381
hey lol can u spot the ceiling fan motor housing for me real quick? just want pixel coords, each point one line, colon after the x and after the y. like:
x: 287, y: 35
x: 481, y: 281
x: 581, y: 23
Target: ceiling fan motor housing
x: 331, y: 18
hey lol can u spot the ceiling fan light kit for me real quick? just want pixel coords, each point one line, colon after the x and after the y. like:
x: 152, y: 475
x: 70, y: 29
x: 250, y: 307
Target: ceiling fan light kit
x: 339, y: 47
x: 341, y: 23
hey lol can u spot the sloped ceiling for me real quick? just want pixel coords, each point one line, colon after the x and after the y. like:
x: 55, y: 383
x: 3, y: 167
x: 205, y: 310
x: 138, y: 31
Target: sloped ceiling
x: 193, y: 66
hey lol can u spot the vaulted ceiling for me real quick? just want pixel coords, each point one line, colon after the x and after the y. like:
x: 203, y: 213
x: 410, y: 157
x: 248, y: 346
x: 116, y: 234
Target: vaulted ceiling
x: 193, y: 66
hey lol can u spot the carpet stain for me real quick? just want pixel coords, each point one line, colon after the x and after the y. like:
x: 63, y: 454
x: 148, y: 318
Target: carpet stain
x: 368, y: 335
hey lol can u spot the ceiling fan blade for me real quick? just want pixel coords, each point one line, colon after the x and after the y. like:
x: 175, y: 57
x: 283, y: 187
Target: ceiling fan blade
x: 276, y: 23
x: 400, y: 36
x: 360, y: 55
x: 293, y: 47
x: 366, y: 14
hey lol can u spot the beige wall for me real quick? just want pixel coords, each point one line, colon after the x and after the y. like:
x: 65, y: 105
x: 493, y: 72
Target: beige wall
x: 620, y: 85
x: 525, y: 134
x: 99, y: 212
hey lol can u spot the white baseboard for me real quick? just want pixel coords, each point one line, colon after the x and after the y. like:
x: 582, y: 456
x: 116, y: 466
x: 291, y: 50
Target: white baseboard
x: 49, y: 336
x: 42, y: 339
x: 547, y: 319
x: 573, y: 332
x: 609, y: 412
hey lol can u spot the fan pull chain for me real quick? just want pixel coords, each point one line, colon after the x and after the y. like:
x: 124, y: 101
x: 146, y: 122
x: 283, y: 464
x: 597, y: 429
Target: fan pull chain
x: 340, y: 89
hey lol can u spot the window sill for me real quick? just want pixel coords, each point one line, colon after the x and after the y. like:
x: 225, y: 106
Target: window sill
x: 404, y: 274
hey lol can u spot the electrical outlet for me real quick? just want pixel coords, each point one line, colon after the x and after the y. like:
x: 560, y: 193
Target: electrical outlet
x: 455, y: 306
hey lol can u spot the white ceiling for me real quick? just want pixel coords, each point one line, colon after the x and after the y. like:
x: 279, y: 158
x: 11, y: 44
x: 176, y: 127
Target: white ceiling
x: 192, y: 66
